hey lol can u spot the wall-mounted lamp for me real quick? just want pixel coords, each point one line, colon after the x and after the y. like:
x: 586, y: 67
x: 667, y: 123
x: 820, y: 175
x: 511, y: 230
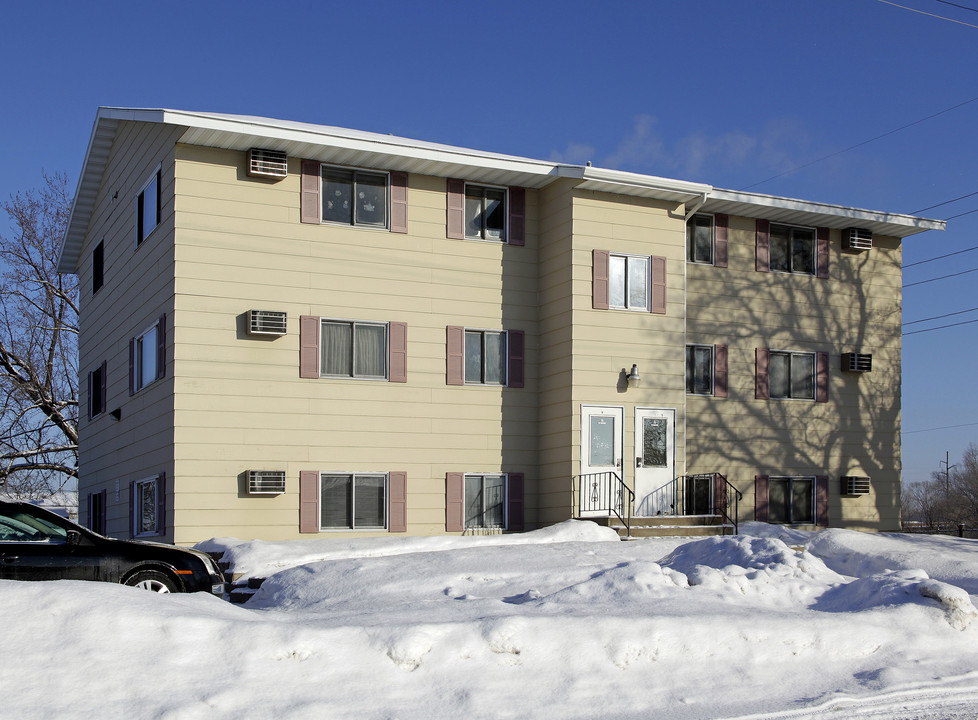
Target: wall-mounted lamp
x: 633, y: 376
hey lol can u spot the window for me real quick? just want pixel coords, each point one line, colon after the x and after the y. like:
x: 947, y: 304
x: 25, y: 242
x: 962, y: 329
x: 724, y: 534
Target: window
x: 485, y: 357
x: 628, y: 285
x: 354, y: 197
x: 485, y: 501
x: 699, y: 239
x: 791, y: 500
x: 96, y: 512
x: 353, y: 501
x: 98, y: 267
x: 792, y: 375
x: 96, y: 392
x: 354, y: 349
x: 146, y: 500
x: 485, y: 212
x: 792, y: 249
x: 146, y: 356
x: 699, y: 369
x: 628, y: 282
x: 148, y: 208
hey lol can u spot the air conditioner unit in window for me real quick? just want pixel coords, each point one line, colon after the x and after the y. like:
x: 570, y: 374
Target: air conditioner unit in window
x: 855, y: 485
x: 857, y: 239
x: 266, y: 482
x: 267, y: 322
x: 267, y: 163
x: 857, y: 362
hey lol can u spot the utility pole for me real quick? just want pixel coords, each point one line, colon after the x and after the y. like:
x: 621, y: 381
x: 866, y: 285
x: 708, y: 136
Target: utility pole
x: 947, y: 472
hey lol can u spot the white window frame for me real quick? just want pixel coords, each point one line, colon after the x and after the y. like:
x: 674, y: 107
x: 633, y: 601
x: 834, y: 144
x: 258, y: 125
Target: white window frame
x: 482, y: 373
x: 504, y: 502
x: 157, y: 177
x: 713, y: 367
x: 625, y: 290
x: 323, y: 167
x: 353, y: 348
x: 353, y: 476
x: 139, y: 357
x: 137, y: 504
x: 482, y: 234
x: 791, y: 240
x: 690, y: 245
x: 791, y: 354
x: 813, y: 510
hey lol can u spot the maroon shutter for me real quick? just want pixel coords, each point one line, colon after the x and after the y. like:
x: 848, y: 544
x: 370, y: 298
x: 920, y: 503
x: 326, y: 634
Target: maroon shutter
x: 822, y: 500
x: 720, y: 224
x: 132, y: 365
x: 454, y: 501
x: 132, y: 509
x: 821, y: 377
x: 90, y: 396
x: 310, y: 207
x: 102, y: 385
x: 308, y: 346
x: 161, y: 504
x: 600, y: 261
x: 720, y: 371
x: 762, y: 376
x: 456, y: 209
x: 822, y: 252
x: 517, y: 216
x: 397, y: 352
x: 308, y: 501
x: 455, y: 355
x: 659, y: 285
x: 720, y: 494
x: 399, y: 202
x: 103, y: 509
x: 762, y: 239
x: 161, y: 347
x: 397, y: 502
x: 159, y: 196
x: 514, y: 501
x: 760, y: 498
x: 516, y: 345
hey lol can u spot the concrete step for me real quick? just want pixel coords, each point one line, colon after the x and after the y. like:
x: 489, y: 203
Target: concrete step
x: 642, y: 531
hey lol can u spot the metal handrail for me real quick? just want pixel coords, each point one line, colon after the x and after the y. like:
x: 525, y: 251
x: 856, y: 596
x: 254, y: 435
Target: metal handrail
x: 720, y: 498
x: 738, y: 496
x: 607, y: 485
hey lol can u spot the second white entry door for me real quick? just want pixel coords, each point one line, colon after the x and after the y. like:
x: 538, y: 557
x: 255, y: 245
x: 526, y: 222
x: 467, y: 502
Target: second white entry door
x: 655, y: 461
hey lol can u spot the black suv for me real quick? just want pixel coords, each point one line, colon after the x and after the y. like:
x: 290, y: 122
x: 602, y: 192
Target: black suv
x: 37, y: 544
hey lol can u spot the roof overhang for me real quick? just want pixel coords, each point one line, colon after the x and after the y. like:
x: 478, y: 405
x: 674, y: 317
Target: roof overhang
x: 364, y: 149
x: 803, y: 212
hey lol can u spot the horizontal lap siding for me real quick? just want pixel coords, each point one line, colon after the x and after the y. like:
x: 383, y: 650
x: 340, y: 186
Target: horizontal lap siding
x: 858, y: 430
x: 240, y: 403
x: 138, y: 288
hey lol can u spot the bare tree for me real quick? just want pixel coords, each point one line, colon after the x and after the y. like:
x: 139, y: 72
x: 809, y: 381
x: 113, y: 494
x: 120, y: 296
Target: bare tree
x: 38, y: 345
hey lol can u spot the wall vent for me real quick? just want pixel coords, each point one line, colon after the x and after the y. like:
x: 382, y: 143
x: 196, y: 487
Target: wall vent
x: 267, y: 163
x: 855, y: 485
x: 266, y: 482
x: 857, y: 239
x: 267, y: 322
x: 857, y: 362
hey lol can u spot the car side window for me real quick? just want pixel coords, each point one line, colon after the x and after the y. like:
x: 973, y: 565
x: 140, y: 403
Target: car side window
x: 19, y: 527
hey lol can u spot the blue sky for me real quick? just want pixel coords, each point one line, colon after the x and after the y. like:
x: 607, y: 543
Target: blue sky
x: 727, y: 92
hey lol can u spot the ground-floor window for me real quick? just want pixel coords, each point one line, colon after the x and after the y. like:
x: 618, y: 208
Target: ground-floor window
x: 791, y: 500
x: 145, y: 507
x: 485, y: 501
x: 355, y: 501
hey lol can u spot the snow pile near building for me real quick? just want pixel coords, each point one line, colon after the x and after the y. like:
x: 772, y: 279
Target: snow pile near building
x: 563, y: 623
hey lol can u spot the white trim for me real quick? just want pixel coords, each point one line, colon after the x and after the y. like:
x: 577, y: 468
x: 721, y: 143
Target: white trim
x: 648, y: 282
x: 136, y: 511
x: 505, y: 501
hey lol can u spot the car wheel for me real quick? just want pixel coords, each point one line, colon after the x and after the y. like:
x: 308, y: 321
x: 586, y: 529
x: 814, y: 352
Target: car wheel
x: 151, y: 580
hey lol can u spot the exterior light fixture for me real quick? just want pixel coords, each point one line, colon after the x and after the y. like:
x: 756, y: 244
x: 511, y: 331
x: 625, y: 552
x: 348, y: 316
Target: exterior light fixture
x: 633, y: 376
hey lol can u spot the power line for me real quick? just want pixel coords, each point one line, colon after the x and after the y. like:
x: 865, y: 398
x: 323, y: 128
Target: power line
x: 940, y: 17
x: 860, y: 144
x: 938, y: 317
x: 939, y: 257
x: 942, y: 277
x: 946, y: 427
x: 939, y: 327
x: 960, y: 215
x: 963, y: 7
x: 946, y: 202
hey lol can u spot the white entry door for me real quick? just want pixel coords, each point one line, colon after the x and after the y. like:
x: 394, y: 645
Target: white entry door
x: 601, y: 459
x: 655, y: 461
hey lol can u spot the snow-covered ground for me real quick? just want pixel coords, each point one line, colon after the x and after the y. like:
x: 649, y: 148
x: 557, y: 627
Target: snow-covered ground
x: 566, y: 622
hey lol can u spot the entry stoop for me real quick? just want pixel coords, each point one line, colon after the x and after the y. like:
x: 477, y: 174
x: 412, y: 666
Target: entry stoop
x: 670, y: 526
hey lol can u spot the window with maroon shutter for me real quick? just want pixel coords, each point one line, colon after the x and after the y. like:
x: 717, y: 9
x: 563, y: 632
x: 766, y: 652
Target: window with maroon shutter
x: 703, y: 237
x: 454, y: 502
x: 600, y: 260
x: 792, y: 500
x: 351, y: 196
x: 351, y: 348
x: 485, y: 357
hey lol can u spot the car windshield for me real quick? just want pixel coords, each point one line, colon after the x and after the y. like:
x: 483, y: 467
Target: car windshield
x: 21, y: 527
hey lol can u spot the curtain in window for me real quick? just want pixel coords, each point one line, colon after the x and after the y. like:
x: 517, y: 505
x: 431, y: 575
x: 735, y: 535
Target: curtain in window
x: 369, y: 503
x: 337, y: 348
x: 495, y: 358
x: 371, y: 351
x: 336, y: 501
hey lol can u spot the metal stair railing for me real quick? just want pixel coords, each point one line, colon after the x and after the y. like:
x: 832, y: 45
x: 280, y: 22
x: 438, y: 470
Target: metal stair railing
x: 606, y: 492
